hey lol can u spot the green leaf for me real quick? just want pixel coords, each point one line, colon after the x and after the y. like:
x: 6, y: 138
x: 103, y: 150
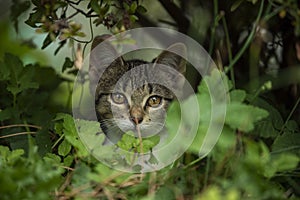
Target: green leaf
x: 67, y: 64
x: 71, y: 135
x: 270, y: 126
x: 80, y: 176
x: 95, y: 6
x: 165, y: 192
x: 173, y: 119
x: 237, y: 95
x: 133, y: 18
x: 280, y: 163
x: 4, y: 71
x: 48, y: 40
x: 152, y: 159
x: 133, y: 7
x: 292, y: 126
x: 287, y: 143
x: 52, y: 159
x: 218, y: 82
x: 68, y: 160
x: 35, y: 18
x: 226, y: 142
x: 141, y: 9
x: 61, y: 45
x: 11, y: 156
x: 243, y: 117
x: 64, y: 148
x: 20, y: 76
x: 43, y: 141
x: 127, y: 142
x: 15, y: 65
x: 149, y: 143
x: 104, y: 9
x: 6, y: 113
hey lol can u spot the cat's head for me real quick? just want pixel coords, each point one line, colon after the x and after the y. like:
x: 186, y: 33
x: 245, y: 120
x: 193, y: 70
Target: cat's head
x: 134, y: 93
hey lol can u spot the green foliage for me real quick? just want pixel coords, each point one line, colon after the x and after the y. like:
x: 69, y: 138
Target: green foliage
x: 51, y: 17
x: 130, y: 143
x: 26, y: 177
x: 42, y: 152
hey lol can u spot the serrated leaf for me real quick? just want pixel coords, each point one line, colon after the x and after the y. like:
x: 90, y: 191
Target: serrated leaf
x: 242, y: 117
x: 149, y: 143
x: 288, y: 142
x: 15, y: 65
x: 270, y: 126
x: 20, y: 76
x: 127, y: 142
x: 14, y: 155
x: 280, y: 163
x: 51, y: 158
x: 292, y: 126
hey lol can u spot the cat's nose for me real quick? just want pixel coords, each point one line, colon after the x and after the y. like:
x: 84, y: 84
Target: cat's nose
x: 136, y: 115
x: 136, y: 120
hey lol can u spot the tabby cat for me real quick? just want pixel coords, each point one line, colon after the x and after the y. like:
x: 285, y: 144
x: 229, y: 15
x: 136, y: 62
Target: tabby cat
x: 134, y: 94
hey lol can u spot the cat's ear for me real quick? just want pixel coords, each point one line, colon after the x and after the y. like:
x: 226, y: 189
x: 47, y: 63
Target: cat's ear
x: 102, y: 55
x: 174, y: 57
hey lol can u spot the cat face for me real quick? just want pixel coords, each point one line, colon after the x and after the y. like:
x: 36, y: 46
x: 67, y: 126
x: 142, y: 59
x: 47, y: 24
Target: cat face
x: 136, y: 94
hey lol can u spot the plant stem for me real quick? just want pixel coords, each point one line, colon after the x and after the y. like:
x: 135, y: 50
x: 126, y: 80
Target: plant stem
x: 228, y: 44
x: 290, y: 115
x: 249, y: 39
x: 207, y: 172
x: 57, y: 141
x: 213, y: 29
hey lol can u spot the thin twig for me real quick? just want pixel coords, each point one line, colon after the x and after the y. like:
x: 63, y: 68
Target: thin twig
x: 82, y: 12
x: 228, y: 44
x: 17, y: 134
x: 20, y: 125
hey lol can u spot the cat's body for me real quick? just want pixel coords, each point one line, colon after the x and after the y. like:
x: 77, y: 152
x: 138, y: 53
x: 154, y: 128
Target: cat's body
x: 136, y: 94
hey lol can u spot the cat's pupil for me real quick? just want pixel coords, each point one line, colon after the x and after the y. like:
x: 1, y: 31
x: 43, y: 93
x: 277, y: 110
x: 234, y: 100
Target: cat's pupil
x: 154, y: 101
x: 118, y: 98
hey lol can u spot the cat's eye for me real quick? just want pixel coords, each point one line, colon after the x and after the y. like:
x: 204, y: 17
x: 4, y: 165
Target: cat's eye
x: 154, y: 101
x: 118, y: 98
